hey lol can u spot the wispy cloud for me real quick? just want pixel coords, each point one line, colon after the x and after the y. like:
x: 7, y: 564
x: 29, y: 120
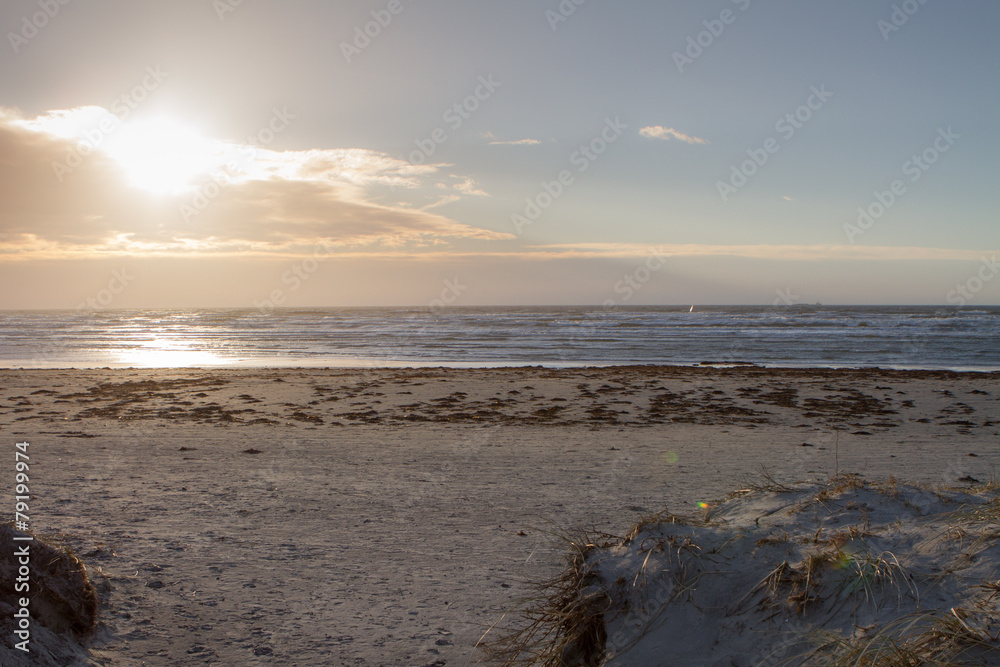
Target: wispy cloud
x: 668, y: 133
x: 762, y: 251
x: 515, y: 142
x: 469, y: 187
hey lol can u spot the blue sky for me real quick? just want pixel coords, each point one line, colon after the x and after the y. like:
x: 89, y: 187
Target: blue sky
x: 340, y: 168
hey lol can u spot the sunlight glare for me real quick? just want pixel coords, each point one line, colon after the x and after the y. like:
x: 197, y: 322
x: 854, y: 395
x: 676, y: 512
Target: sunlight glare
x: 165, y: 353
x: 162, y: 155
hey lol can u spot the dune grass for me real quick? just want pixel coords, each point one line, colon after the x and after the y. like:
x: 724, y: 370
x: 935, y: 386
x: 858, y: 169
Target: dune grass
x: 63, y: 596
x: 837, y: 574
x: 563, y: 623
x: 932, y: 639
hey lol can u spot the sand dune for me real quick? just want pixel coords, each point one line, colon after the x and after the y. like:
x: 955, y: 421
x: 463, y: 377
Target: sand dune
x: 842, y: 573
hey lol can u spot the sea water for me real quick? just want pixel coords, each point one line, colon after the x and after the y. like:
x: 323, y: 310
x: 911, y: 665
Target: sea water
x: 829, y: 336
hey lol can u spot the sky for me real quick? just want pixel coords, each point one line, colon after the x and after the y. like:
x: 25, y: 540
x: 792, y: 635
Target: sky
x: 252, y: 154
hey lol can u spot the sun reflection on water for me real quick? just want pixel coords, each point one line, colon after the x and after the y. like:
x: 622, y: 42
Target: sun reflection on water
x: 166, y: 353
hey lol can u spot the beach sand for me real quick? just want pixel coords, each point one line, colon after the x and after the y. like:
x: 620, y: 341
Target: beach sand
x: 391, y: 517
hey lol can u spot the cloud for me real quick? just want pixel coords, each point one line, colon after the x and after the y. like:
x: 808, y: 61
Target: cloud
x: 470, y: 187
x: 631, y: 251
x: 466, y: 186
x: 516, y: 142
x: 761, y: 251
x: 239, y: 198
x: 668, y: 133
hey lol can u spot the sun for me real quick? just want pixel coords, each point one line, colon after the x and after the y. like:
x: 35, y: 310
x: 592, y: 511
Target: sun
x: 162, y: 155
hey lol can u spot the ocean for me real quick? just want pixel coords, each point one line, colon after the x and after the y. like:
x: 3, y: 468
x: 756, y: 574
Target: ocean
x: 827, y: 336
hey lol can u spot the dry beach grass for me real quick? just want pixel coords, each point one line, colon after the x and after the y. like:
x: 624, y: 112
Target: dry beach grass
x: 64, y: 602
x: 848, y: 572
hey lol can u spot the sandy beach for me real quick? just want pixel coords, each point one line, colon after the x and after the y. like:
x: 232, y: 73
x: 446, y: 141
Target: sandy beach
x: 392, y: 517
